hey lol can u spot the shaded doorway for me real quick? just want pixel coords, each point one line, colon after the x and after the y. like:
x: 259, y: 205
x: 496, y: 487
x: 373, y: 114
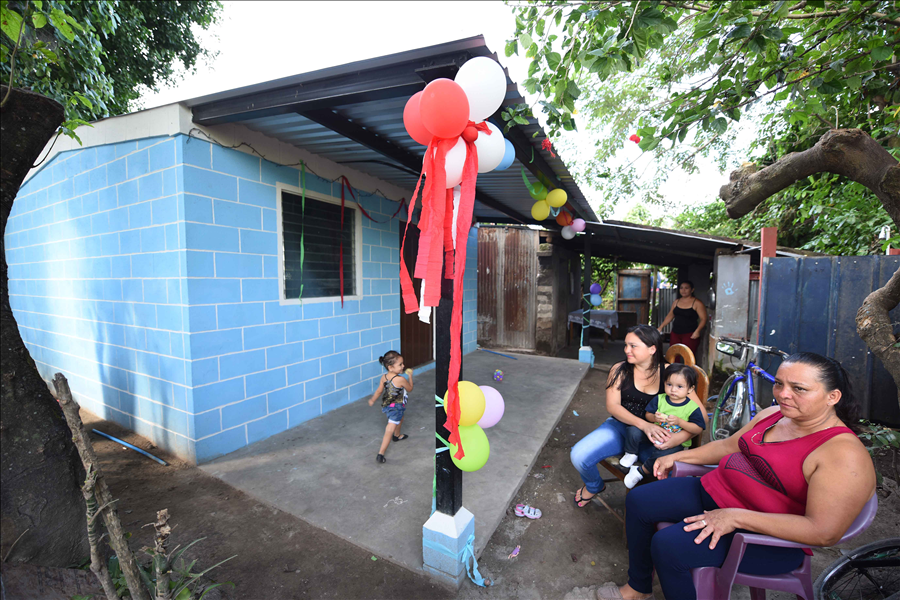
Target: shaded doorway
x: 416, y: 337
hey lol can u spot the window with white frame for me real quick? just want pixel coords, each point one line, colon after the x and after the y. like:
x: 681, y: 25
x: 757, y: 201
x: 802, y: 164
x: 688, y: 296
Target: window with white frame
x: 310, y: 237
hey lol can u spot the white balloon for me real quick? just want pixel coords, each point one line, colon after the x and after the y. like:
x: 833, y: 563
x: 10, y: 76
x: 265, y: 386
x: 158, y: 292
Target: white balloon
x: 484, y: 82
x: 454, y: 163
x: 491, y: 149
x: 567, y: 232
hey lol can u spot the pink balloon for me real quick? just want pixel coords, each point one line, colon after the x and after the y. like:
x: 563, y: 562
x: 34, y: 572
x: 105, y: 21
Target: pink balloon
x: 444, y: 108
x: 493, y: 407
x: 413, y: 120
x: 577, y: 225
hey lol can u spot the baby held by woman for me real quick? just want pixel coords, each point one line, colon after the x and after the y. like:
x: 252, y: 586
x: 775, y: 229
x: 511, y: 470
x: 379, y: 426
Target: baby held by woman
x: 674, y: 412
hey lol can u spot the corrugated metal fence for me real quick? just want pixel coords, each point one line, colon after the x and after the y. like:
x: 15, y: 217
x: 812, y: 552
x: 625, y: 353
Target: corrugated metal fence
x: 507, y: 284
x: 810, y: 304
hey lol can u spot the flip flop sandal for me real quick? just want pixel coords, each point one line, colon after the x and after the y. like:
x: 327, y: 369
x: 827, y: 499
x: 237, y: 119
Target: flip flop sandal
x: 523, y: 510
x: 586, y: 501
x: 400, y: 437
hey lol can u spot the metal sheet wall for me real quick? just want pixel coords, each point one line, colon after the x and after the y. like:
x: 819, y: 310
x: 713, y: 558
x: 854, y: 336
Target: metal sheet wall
x: 810, y: 304
x: 507, y: 285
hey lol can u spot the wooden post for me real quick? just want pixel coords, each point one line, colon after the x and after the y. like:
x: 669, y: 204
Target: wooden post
x: 449, y: 478
x: 107, y: 510
x: 768, y: 237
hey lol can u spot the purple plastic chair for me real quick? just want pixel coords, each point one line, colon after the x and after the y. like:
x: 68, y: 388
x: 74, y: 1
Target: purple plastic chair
x: 713, y: 583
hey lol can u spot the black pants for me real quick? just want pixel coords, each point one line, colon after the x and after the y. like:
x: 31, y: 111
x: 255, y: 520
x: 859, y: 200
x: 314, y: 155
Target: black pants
x: 673, y: 552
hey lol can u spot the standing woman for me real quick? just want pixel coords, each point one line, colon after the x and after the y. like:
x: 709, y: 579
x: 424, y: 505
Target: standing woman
x: 689, y: 315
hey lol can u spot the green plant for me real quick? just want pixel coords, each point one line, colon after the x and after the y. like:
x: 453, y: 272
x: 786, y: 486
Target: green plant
x: 881, y: 441
x: 183, y: 585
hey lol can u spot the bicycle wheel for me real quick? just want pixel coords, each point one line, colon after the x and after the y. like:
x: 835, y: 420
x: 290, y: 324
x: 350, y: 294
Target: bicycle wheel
x: 731, y: 413
x: 868, y: 572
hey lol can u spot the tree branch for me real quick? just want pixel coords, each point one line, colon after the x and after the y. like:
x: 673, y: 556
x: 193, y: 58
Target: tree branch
x: 848, y: 152
x: 873, y: 324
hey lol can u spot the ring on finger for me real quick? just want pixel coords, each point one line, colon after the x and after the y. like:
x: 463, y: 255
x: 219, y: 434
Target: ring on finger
x: 704, y: 522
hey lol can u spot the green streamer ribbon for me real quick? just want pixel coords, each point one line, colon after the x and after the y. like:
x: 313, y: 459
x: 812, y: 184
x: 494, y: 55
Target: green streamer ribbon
x: 302, y: 223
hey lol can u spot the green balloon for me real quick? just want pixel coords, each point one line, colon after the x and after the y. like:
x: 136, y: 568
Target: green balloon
x: 539, y: 193
x: 476, y: 446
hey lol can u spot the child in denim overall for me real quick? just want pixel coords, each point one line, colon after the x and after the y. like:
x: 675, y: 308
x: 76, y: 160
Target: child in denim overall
x: 393, y: 389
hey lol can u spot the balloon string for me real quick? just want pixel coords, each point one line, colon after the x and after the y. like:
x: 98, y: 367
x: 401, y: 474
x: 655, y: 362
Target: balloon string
x: 302, y: 223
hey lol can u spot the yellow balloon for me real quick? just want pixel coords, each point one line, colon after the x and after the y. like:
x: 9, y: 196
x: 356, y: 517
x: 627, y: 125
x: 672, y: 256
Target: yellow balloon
x: 471, y: 404
x: 557, y: 198
x: 476, y: 447
x: 540, y: 210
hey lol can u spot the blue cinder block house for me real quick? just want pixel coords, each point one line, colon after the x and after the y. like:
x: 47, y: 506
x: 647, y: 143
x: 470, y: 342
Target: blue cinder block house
x: 158, y: 265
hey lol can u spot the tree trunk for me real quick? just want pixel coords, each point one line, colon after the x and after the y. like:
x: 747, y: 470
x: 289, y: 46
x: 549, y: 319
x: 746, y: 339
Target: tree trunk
x: 873, y: 324
x: 848, y: 152
x: 40, y: 473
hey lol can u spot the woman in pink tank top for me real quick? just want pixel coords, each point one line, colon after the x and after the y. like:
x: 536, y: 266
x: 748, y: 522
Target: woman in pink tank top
x: 797, y: 472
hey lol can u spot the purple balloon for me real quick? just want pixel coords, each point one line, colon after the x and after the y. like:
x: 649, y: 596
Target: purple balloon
x: 493, y: 407
x: 596, y: 288
x: 577, y: 225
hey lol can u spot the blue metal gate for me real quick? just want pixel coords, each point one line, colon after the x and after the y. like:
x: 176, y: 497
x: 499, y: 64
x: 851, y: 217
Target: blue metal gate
x: 809, y: 305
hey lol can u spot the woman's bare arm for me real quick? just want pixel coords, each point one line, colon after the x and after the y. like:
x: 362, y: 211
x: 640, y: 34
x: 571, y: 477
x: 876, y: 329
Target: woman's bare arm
x: 669, y: 316
x: 711, y: 453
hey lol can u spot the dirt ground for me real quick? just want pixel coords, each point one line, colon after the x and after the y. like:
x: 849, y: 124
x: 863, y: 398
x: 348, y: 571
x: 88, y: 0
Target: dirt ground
x: 279, y: 556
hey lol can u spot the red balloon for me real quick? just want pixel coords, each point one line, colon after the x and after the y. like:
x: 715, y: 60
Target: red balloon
x: 444, y: 108
x: 413, y: 120
x: 564, y: 218
x: 470, y: 134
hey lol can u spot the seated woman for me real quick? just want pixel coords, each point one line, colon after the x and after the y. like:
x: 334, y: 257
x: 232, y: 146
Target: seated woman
x: 796, y: 472
x: 630, y: 387
x: 689, y: 314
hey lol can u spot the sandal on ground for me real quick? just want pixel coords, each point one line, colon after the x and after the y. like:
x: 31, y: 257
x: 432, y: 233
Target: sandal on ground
x: 402, y: 436
x: 380, y: 458
x: 582, y: 502
x: 523, y: 510
x: 610, y: 591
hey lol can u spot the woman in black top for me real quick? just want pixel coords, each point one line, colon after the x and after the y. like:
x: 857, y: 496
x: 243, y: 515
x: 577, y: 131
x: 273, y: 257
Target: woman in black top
x: 631, y: 385
x: 689, y: 315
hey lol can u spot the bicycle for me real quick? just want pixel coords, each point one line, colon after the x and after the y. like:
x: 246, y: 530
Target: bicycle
x: 738, y: 404
x: 868, y: 572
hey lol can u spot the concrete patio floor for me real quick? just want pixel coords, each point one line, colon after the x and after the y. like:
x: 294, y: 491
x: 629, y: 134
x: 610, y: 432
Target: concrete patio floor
x: 324, y: 471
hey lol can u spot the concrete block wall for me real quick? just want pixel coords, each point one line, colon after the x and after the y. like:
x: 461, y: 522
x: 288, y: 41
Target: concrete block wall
x: 259, y: 366
x: 147, y: 273
x: 96, y: 280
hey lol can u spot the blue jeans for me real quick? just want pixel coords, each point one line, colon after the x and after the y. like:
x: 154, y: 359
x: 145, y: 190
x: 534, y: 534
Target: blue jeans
x: 672, y: 551
x: 605, y: 441
x: 394, y: 412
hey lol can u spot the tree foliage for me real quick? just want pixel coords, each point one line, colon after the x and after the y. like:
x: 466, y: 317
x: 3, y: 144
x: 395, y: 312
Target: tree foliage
x: 97, y: 57
x: 687, y: 76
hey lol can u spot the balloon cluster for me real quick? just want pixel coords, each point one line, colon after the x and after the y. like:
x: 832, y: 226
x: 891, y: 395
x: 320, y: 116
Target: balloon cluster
x: 480, y: 407
x: 596, y: 295
x: 457, y: 108
x: 550, y: 203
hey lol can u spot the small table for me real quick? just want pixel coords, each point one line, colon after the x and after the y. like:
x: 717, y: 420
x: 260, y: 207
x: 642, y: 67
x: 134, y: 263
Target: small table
x: 604, y: 320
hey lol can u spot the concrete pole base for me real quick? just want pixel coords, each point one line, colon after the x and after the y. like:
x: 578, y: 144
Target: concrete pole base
x: 586, y: 355
x: 444, y: 539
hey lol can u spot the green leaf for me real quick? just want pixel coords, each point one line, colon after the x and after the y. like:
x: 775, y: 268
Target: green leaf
x: 511, y: 47
x: 881, y: 53
x: 11, y: 23
x: 739, y: 32
x: 539, y: 27
x: 773, y: 33
x: 58, y: 19
x: 573, y: 89
x: 553, y: 60
x: 718, y: 125
x: 39, y: 20
x: 526, y: 40
x: 84, y: 100
x: 520, y: 120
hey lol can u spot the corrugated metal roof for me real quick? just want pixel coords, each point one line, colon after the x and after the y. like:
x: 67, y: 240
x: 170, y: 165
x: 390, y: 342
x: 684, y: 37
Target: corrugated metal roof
x: 365, y: 100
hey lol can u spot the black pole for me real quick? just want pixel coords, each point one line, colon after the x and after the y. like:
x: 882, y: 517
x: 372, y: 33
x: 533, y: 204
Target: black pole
x: 588, y: 267
x: 449, y: 477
